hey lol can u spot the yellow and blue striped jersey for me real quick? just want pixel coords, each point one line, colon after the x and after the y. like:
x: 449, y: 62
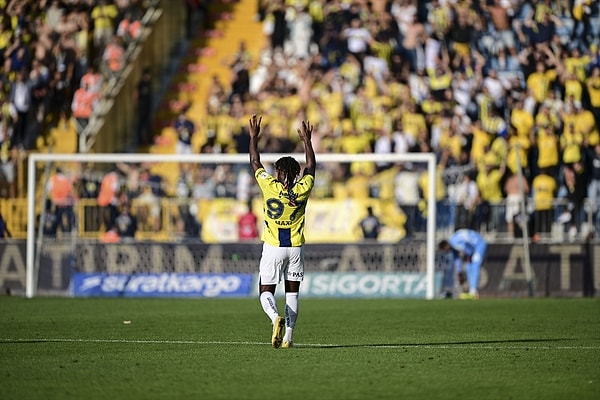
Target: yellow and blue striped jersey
x: 283, y: 210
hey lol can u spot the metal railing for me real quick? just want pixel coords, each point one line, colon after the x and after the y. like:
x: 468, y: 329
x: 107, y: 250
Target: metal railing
x: 161, y: 224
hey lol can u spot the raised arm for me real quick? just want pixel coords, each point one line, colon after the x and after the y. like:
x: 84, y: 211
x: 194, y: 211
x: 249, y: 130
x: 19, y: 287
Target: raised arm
x: 254, y: 134
x: 305, y: 134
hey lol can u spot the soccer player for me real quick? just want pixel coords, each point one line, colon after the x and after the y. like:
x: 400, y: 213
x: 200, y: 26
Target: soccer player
x: 284, y: 203
x: 469, y: 249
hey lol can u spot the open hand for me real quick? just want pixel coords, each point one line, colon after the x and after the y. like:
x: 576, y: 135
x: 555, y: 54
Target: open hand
x: 255, y: 125
x: 306, y: 132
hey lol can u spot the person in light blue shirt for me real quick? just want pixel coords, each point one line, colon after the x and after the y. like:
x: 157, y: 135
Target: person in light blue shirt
x: 468, y: 249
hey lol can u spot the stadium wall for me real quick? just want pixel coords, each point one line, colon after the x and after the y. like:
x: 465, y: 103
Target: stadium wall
x: 560, y: 269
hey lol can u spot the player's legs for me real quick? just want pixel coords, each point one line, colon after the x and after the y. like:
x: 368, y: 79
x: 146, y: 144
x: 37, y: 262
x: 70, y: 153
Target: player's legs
x: 291, y: 311
x: 473, y: 277
x: 294, y: 275
x: 459, y: 274
x: 474, y: 267
x: 267, y: 301
x: 269, y: 306
x: 272, y: 262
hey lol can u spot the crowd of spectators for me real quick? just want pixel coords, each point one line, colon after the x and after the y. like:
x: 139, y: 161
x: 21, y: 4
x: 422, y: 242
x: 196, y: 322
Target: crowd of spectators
x: 488, y: 85
x: 55, y: 58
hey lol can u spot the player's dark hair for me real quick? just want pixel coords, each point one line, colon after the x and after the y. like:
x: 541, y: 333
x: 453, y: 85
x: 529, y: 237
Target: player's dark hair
x: 289, y: 169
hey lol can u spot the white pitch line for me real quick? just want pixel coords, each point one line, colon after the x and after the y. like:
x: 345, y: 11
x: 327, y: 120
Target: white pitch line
x: 67, y: 340
x: 323, y: 345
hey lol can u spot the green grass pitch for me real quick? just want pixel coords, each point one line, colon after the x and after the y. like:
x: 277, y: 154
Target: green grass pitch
x: 65, y: 348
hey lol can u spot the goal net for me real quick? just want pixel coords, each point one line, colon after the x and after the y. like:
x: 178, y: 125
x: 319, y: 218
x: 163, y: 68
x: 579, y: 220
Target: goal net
x: 187, y: 238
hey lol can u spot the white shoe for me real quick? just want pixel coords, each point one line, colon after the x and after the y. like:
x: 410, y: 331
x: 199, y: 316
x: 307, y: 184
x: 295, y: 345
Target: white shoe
x: 287, y: 344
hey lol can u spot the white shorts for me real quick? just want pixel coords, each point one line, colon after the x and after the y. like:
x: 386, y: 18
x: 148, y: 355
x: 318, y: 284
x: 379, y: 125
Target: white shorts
x: 278, y: 262
x: 513, y: 206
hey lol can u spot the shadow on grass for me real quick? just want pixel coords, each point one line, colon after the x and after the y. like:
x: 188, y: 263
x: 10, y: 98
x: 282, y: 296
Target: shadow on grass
x: 474, y: 344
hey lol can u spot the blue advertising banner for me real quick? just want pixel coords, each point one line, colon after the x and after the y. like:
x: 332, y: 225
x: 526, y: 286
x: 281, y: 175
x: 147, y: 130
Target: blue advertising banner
x: 400, y: 285
x: 161, y: 285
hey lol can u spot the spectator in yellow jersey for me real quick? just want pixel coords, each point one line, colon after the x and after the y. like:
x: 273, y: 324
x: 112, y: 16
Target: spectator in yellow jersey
x: 539, y: 81
x: 547, y: 145
x: 489, y: 183
x: 573, y: 87
x: 544, y: 188
x: 547, y: 117
x: 480, y: 142
x: 104, y: 15
x: 593, y: 87
x: 518, y: 149
x: 521, y: 119
x: 585, y: 124
x: 6, y: 36
x: 577, y: 63
x: 446, y: 137
x: 499, y: 144
x: 570, y: 144
x: 439, y: 18
x: 285, y: 196
x: 413, y: 122
x: 440, y: 81
x: 354, y: 142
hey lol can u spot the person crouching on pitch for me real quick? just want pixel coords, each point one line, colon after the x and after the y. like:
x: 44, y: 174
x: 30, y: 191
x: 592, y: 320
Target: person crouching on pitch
x: 469, y: 250
x: 284, y: 204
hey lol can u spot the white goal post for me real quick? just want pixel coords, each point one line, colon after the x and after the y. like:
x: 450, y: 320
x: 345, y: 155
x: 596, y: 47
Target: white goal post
x: 36, y: 160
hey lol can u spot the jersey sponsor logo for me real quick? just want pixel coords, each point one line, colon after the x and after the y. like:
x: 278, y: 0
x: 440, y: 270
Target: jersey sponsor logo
x: 290, y: 196
x: 263, y: 175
